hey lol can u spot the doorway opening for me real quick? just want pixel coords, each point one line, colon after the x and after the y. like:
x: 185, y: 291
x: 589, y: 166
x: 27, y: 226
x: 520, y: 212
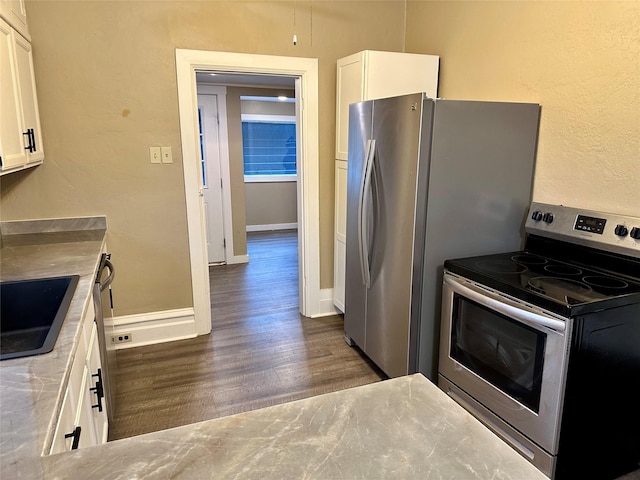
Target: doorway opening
x: 248, y: 149
x: 305, y: 72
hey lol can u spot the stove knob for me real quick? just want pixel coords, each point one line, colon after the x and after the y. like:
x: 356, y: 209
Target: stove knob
x: 621, y: 231
x: 635, y: 233
x: 537, y: 216
x: 547, y: 217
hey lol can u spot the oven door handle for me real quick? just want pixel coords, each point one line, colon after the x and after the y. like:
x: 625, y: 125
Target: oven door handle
x: 530, y: 318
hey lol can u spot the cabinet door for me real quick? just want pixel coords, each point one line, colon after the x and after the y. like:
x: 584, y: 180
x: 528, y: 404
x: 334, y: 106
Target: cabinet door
x: 28, y: 97
x: 98, y: 400
x: 84, y: 417
x: 389, y: 74
x: 340, y: 244
x: 349, y: 89
x: 81, y: 394
x: 65, y: 426
x: 15, y: 13
x: 11, y: 140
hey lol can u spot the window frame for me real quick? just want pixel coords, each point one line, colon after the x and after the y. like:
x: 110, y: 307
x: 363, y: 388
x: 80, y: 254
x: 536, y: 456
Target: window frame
x: 269, y: 118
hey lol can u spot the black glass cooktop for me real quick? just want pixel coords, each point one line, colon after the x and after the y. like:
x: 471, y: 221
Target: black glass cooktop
x: 564, y: 288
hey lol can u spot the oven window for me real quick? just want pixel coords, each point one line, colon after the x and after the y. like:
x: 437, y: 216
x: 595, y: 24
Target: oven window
x: 502, y: 351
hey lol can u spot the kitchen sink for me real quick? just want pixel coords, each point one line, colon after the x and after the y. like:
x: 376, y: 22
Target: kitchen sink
x: 32, y: 313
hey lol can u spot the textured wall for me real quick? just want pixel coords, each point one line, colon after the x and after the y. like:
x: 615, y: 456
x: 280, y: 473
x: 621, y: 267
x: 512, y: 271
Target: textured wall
x: 106, y: 80
x: 579, y: 60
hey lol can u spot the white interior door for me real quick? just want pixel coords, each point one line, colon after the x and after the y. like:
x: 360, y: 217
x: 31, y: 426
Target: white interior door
x: 211, y: 177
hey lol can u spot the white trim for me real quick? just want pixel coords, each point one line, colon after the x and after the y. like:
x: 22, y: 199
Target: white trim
x: 272, y: 226
x: 306, y: 72
x: 271, y: 118
x: 270, y: 178
x: 254, y: 98
x: 237, y: 259
x: 155, y: 327
x: 326, y: 304
x: 211, y: 89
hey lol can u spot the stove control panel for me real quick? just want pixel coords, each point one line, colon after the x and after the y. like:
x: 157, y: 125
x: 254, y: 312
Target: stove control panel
x: 606, y: 231
x: 590, y: 224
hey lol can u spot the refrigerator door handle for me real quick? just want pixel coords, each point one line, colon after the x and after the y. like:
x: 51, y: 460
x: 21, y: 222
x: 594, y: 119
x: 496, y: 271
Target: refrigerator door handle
x: 363, y: 227
x: 365, y: 164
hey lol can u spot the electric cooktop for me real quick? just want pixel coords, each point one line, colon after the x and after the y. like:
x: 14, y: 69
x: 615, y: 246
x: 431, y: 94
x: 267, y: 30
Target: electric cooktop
x: 558, y: 286
x: 573, y: 262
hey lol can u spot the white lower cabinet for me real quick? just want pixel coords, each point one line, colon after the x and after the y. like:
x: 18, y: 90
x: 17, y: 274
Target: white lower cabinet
x: 83, y: 418
x: 66, y: 425
x: 98, y: 406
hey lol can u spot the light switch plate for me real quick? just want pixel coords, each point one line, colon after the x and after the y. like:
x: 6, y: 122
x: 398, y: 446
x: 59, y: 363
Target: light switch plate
x: 166, y: 155
x: 154, y: 155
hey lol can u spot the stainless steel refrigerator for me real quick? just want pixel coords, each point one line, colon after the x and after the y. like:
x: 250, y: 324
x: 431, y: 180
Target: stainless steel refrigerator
x: 428, y: 180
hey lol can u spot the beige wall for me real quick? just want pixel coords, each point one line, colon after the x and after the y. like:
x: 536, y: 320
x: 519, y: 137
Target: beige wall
x: 579, y: 60
x: 271, y: 203
x: 106, y: 79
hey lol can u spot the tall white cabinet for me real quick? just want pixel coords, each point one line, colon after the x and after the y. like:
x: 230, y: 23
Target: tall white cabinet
x: 368, y: 75
x: 20, y: 133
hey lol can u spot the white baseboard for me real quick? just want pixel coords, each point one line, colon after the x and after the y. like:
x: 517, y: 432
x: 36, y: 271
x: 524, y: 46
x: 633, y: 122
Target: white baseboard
x: 232, y: 259
x: 273, y: 226
x: 179, y: 324
x: 326, y: 306
x: 155, y: 327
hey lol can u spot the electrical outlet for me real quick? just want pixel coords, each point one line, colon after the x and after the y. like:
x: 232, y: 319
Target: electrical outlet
x: 121, y: 338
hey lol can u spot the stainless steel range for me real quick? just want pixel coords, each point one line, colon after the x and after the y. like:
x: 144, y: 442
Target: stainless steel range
x: 543, y: 345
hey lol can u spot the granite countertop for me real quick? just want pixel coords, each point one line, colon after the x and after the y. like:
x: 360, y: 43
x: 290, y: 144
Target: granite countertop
x: 402, y: 428
x: 30, y: 387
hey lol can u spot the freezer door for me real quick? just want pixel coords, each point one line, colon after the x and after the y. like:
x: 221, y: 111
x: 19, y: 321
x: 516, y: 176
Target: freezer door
x: 390, y: 210
x: 360, y: 131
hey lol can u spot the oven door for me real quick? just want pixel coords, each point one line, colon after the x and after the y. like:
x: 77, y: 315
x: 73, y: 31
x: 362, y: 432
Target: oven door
x: 509, y: 356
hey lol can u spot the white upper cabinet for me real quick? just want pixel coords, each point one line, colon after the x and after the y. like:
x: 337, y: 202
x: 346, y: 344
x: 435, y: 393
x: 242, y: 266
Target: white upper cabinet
x: 15, y: 13
x: 20, y: 133
x: 370, y: 74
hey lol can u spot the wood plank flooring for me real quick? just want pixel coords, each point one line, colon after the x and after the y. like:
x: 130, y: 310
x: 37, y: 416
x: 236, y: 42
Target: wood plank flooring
x: 260, y: 352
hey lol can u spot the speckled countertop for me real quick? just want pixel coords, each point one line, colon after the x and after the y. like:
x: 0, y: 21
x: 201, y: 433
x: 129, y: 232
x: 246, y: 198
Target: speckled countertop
x: 404, y: 428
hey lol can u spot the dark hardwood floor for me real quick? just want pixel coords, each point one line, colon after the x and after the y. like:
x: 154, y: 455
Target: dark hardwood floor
x: 260, y: 352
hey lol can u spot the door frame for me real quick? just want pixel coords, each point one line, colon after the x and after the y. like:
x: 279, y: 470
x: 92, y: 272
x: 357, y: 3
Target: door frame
x: 306, y: 71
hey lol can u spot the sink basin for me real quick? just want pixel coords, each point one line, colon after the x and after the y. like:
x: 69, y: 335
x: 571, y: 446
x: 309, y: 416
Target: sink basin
x: 32, y: 313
